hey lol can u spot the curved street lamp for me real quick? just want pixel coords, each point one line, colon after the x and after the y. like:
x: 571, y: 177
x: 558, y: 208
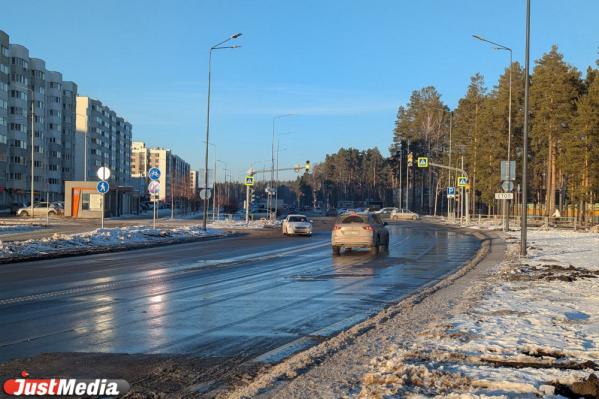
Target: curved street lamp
x: 218, y: 46
x: 506, y: 220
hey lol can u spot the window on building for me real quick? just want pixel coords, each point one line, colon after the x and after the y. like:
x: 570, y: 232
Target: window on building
x: 85, y: 201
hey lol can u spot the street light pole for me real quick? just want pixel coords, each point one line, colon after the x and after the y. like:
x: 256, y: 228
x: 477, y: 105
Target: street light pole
x: 272, y: 169
x: 218, y: 46
x: 32, y: 149
x: 524, y: 212
x: 506, y: 218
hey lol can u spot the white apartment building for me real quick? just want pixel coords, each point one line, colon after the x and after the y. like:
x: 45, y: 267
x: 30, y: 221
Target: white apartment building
x: 33, y: 102
x: 102, y: 138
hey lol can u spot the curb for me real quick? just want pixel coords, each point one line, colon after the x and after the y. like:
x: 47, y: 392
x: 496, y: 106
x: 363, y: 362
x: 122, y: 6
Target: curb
x: 302, y: 361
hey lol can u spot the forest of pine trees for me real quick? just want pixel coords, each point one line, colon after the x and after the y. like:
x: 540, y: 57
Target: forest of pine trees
x: 563, y: 154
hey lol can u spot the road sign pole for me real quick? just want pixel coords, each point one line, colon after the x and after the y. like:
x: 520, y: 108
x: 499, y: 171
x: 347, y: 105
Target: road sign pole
x: 103, y: 197
x: 247, y: 204
x: 154, y: 214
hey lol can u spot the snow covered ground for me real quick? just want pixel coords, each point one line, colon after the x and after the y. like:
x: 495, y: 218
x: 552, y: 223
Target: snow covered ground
x: 102, y: 239
x: 534, y: 332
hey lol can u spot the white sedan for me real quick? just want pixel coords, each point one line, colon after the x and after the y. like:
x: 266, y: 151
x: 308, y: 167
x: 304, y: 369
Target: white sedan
x: 404, y: 214
x: 297, y: 225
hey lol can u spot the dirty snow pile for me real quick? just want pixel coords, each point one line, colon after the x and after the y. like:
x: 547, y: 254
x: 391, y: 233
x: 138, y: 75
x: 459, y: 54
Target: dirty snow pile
x: 101, y: 238
x: 534, y: 333
x: 243, y: 225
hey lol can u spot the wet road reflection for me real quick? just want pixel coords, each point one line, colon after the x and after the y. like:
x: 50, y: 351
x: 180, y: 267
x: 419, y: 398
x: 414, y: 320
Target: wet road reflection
x: 216, y: 298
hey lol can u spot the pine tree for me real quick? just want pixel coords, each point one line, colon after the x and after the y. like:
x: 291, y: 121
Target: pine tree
x: 554, y: 90
x: 467, y: 129
x: 581, y: 145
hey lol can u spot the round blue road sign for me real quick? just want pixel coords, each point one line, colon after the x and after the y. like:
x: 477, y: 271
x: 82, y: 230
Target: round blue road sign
x: 154, y: 173
x: 103, y: 187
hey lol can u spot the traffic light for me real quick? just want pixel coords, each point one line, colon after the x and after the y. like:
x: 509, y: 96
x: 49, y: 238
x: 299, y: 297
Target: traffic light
x: 307, y: 166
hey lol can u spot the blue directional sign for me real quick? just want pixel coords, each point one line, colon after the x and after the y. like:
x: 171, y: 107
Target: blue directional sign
x: 450, y: 192
x: 103, y: 187
x: 154, y: 173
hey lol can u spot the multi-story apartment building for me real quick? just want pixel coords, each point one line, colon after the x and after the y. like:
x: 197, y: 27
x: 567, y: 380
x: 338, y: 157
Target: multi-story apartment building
x: 102, y: 138
x: 33, y: 113
x: 69, y: 109
x: 194, y: 180
x: 175, y: 172
x: 4, y: 82
x: 139, y: 159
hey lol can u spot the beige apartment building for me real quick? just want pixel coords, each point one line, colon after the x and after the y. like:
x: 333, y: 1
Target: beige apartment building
x: 175, y: 172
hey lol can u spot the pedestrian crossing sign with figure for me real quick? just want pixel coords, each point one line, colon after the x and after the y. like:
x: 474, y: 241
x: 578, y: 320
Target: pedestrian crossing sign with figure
x: 422, y: 162
x: 249, y: 181
x: 462, y: 181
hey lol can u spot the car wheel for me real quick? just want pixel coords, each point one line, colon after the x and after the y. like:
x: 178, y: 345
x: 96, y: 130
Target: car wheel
x: 51, y: 213
x: 374, y: 249
x: 336, y: 250
x: 413, y: 217
x: 24, y: 214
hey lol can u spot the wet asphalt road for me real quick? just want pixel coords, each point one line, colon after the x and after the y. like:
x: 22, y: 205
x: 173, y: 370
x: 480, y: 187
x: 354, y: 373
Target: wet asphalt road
x: 259, y: 296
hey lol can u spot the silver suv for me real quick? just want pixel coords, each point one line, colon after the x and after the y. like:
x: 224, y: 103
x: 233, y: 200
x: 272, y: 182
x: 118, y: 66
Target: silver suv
x: 359, y: 230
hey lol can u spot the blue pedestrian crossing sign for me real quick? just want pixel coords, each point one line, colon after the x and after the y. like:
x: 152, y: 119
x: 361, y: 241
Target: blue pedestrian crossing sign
x: 154, y: 173
x: 462, y: 181
x: 450, y: 192
x: 422, y: 162
x: 103, y: 187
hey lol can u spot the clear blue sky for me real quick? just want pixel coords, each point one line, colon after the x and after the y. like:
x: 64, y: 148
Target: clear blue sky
x: 342, y: 66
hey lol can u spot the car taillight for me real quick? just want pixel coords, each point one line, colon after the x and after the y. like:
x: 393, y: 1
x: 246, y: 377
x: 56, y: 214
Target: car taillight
x: 337, y: 227
x: 369, y: 228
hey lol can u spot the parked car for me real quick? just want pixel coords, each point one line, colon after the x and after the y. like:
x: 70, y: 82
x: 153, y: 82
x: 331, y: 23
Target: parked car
x: 297, y: 225
x: 261, y: 213
x: 385, y: 213
x: 331, y: 212
x: 59, y: 205
x: 15, y: 206
x: 359, y: 230
x: 404, y: 214
x: 40, y: 208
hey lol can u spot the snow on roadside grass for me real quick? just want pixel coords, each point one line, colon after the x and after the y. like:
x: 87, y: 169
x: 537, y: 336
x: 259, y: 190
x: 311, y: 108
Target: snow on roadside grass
x: 101, y: 238
x: 534, y: 333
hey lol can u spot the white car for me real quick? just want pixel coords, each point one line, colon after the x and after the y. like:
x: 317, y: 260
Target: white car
x: 404, y: 214
x: 297, y: 225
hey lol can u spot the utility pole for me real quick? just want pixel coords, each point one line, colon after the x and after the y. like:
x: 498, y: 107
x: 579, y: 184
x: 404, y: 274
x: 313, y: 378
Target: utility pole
x: 408, y: 179
x: 32, y: 151
x: 214, y: 193
x: 218, y: 46
x: 524, y: 215
x: 449, y: 172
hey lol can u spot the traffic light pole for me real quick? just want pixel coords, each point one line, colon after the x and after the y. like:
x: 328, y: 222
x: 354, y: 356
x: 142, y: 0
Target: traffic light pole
x: 247, y: 204
x: 467, y: 195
